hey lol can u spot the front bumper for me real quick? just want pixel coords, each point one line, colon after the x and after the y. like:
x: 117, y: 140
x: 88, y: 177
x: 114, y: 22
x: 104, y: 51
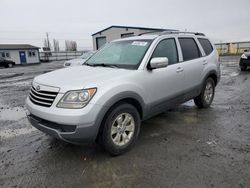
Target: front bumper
x: 68, y: 133
x: 244, y: 62
x: 71, y: 125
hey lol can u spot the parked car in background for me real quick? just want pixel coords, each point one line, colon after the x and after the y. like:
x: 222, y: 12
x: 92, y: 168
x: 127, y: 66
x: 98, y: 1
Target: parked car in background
x: 45, y: 54
x: 79, y: 61
x: 6, y: 63
x: 245, y: 60
x: 128, y: 81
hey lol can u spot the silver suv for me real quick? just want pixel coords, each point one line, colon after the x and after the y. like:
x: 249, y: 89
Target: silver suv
x: 124, y: 83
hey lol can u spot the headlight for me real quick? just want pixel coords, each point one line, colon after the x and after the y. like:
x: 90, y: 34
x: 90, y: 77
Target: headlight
x: 243, y: 56
x: 76, y: 99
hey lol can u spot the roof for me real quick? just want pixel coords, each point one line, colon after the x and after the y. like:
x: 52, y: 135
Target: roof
x: 131, y: 27
x: 240, y: 42
x: 17, y: 47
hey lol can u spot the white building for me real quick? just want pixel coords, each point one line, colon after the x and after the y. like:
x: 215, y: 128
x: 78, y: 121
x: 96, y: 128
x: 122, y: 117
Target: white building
x: 20, y: 53
x: 233, y: 47
x: 117, y: 32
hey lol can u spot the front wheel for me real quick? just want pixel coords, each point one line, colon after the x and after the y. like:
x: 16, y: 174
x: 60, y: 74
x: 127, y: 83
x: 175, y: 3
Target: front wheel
x: 243, y: 67
x: 121, y: 129
x: 205, y: 99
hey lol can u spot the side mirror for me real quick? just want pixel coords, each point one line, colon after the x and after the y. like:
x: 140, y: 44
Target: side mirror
x: 158, y: 62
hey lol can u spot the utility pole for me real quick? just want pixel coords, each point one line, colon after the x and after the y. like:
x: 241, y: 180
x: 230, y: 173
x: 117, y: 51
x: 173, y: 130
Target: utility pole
x: 48, y: 44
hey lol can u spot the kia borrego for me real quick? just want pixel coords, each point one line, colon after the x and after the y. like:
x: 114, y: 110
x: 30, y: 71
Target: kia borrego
x: 125, y: 82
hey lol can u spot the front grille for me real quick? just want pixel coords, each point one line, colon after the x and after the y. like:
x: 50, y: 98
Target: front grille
x: 42, y: 98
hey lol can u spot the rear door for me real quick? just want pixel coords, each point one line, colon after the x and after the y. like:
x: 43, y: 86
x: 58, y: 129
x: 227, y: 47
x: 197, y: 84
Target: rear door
x: 192, y: 64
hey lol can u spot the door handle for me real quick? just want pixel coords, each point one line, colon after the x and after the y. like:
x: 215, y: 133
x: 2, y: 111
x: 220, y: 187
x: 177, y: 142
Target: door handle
x: 179, y: 69
x: 204, y: 62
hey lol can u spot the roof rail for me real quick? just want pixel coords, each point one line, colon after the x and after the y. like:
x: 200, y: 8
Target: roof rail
x: 149, y: 32
x: 172, y: 32
x: 181, y: 32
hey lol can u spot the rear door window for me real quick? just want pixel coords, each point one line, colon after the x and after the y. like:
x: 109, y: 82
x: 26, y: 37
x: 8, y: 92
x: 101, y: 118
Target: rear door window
x: 167, y: 48
x: 206, y: 45
x: 189, y: 49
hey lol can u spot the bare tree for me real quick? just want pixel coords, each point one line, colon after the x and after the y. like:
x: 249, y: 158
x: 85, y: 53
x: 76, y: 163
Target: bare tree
x: 74, y: 45
x: 70, y: 45
x: 46, y: 42
x: 56, y: 45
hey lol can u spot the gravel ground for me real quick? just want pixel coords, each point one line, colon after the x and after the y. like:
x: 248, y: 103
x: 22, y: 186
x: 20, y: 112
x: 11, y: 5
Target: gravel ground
x: 184, y: 147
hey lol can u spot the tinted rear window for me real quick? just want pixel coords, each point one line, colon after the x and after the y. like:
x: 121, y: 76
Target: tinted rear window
x: 189, y: 49
x: 206, y: 45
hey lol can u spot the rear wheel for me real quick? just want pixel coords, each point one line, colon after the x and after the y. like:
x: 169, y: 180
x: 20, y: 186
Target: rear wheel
x: 205, y: 99
x: 243, y: 67
x: 121, y: 129
x: 9, y: 65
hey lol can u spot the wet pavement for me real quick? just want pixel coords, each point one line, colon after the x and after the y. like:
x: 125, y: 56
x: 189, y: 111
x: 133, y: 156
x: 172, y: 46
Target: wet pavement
x: 184, y: 147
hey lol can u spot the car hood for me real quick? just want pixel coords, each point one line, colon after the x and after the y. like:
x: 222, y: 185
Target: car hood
x: 80, y: 77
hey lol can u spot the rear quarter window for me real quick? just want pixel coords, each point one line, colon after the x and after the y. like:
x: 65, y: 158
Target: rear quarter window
x: 206, y: 45
x: 189, y: 49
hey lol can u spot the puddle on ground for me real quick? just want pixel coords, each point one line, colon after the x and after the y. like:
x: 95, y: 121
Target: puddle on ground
x: 13, y: 114
x: 189, y: 103
x: 234, y: 74
x: 10, y: 133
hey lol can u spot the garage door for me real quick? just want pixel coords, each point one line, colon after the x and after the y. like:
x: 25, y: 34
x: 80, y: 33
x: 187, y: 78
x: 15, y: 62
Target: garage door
x: 100, y: 41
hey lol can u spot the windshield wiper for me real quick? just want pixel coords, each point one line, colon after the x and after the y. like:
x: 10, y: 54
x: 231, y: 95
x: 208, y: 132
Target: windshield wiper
x: 104, y: 65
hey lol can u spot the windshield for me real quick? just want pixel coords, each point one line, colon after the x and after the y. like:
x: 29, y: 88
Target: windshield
x: 86, y: 55
x: 122, y: 54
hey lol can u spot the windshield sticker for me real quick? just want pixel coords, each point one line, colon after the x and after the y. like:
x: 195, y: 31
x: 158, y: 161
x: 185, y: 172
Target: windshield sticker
x: 139, y: 43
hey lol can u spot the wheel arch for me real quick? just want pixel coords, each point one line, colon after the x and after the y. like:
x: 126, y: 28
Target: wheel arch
x: 125, y: 97
x: 212, y: 74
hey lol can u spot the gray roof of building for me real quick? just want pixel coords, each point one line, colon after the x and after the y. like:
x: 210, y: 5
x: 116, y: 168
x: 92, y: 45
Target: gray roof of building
x: 17, y: 47
x: 130, y: 27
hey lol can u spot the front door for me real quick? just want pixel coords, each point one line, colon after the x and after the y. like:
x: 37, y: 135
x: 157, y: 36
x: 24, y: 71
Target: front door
x: 164, y: 85
x: 22, y: 57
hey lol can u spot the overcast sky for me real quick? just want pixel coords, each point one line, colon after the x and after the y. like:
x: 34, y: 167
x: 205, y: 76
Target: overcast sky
x: 27, y: 21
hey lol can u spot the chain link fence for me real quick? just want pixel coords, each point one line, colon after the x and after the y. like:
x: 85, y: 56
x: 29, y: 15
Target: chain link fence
x: 59, y: 56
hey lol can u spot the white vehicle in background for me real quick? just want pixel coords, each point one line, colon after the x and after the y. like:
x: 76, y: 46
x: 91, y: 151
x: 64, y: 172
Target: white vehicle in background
x: 79, y: 61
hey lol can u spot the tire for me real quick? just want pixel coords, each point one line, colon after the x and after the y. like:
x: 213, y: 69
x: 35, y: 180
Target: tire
x: 116, y: 143
x: 205, y: 99
x: 243, y: 67
x: 9, y: 65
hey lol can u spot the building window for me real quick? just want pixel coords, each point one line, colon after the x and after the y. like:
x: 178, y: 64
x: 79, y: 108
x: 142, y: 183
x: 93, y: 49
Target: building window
x: 125, y: 35
x: 5, y: 54
x: 31, y: 53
